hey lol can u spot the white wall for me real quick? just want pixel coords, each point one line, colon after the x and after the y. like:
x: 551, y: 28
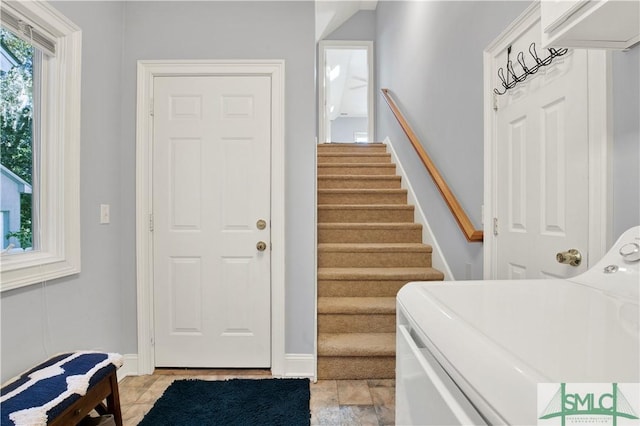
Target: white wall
x: 97, y: 309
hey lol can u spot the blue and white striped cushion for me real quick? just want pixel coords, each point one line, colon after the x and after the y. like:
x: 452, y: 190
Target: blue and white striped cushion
x: 45, y: 391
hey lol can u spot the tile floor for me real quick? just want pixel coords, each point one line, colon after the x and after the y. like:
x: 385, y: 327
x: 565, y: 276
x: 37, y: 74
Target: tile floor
x: 333, y: 402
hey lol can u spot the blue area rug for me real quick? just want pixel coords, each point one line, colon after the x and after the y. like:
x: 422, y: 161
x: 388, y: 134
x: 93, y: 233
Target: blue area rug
x: 232, y: 402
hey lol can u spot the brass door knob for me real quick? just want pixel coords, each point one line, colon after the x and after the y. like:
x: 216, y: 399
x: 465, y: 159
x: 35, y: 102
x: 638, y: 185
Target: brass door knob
x: 570, y: 257
x: 261, y: 246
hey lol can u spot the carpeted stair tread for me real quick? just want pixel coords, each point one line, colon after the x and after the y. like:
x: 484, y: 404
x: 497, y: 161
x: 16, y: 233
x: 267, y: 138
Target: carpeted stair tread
x: 362, y: 196
x: 357, y: 288
x: 365, y: 213
x: 408, y: 274
x: 359, y: 181
x: 357, y: 344
x: 374, y: 255
x: 362, y: 191
x: 356, y: 305
x: 360, y: 177
x: 377, y: 169
x: 365, y: 207
x: 373, y: 157
x: 374, y: 247
x: 338, y: 145
x: 360, y: 165
x: 356, y: 367
x: 363, y: 226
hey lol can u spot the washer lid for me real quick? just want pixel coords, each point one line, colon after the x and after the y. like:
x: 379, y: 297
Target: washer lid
x: 502, y: 338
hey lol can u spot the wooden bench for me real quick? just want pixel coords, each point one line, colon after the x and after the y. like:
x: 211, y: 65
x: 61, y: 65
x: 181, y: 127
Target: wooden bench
x: 63, y: 390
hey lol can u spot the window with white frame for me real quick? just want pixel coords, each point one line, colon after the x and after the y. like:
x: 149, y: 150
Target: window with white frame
x: 40, y: 117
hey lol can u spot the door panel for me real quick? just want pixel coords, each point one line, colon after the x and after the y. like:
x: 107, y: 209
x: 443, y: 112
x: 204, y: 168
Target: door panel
x: 542, y: 166
x: 211, y: 183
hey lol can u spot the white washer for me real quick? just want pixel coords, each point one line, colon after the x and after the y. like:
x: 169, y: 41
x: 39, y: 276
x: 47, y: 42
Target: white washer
x: 473, y: 352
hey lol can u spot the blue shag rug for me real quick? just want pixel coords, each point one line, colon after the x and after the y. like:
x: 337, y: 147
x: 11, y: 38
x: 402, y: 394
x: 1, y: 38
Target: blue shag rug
x: 233, y: 402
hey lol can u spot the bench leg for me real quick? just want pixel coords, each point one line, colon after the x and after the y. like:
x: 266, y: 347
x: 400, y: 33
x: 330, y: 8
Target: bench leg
x: 113, y: 400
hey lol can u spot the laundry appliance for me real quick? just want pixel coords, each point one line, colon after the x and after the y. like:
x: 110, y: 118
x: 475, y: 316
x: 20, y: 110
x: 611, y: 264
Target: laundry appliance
x: 474, y: 352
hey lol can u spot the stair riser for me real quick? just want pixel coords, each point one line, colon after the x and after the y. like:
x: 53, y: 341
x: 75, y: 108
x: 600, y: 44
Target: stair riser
x: 356, y: 368
x: 382, y: 170
x: 325, y: 183
x: 341, y: 259
x: 355, y: 288
x: 412, y: 235
x: 345, y: 323
x: 354, y: 159
x: 359, y: 198
x: 364, y: 216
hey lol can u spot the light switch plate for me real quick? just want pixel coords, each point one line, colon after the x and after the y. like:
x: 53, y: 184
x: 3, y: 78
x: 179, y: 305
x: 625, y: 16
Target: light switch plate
x: 105, y: 216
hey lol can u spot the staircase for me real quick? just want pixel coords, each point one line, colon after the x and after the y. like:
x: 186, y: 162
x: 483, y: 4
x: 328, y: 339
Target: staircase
x: 368, y: 248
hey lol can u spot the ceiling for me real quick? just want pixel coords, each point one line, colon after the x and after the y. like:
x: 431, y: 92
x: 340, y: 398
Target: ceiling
x: 330, y: 14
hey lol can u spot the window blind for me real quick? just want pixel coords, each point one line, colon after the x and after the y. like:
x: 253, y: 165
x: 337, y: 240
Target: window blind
x: 28, y: 32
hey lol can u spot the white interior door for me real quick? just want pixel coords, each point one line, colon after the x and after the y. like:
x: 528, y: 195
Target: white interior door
x: 346, y: 94
x: 211, y: 186
x: 542, y: 157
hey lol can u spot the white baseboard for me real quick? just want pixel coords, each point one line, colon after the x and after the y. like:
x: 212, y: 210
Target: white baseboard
x: 295, y: 365
x: 438, y: 260
x: 299, y: 365
x: 129, y: 366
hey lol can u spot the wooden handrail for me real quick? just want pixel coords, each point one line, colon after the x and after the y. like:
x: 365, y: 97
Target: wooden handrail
x: 472, y: 234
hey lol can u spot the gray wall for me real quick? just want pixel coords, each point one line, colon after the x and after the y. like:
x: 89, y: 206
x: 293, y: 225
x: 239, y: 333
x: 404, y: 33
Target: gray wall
x: 360, y: 27
x: 342, y: 128
x: 434, y: 70
x: 97, y: 309
x: 429, y: 54
x: 421, y: 54
x: 626, y: 140
x: 242, y: 30
x: 84, y: 311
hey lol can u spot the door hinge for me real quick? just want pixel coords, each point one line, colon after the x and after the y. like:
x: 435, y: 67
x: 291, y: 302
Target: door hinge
x: 151, y: 222
x: 151, y: 107
x: 495, y: 226
x: 152, y: 342
x: 495, y: 102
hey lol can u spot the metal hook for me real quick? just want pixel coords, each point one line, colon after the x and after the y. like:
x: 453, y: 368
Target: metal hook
x: 553, y: 53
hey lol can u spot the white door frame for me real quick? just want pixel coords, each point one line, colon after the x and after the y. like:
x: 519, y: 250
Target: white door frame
x: 344, y: 44
x: 147, y: 71
x: 600, y: 143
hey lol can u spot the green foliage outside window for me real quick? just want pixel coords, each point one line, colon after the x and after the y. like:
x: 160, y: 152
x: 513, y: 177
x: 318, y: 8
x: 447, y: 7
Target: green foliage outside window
x: 16, y: 124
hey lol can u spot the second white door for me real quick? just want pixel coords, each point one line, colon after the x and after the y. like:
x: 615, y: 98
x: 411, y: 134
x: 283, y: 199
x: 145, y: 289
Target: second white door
x: 543, y: 166
x: 211, y: 195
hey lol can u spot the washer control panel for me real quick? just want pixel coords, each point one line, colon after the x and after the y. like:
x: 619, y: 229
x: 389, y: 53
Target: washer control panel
x: 618, y: 271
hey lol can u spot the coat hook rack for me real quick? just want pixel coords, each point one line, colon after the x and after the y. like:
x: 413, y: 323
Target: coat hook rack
x: 539, y: 63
